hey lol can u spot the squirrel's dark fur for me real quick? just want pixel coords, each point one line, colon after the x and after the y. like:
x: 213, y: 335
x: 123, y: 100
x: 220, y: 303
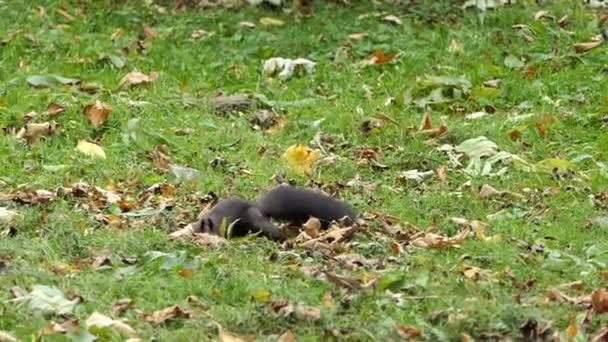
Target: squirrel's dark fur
x: 297, y: 205
x: 243, y: 216
x: 283, y: 203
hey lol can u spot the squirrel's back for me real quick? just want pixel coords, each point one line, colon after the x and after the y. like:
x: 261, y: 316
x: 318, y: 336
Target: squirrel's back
x: 293, y: 204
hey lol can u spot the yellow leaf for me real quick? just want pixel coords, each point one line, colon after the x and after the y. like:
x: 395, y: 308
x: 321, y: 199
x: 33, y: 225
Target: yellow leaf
x: 268, y: 21
x: 572, y: 331
x: 91, y: 149
x: 301, y: 158
x: 479, y: 229
x: 262, y: 295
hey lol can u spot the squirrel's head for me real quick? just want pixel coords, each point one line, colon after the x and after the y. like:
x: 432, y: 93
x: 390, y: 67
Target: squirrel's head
x: 207, y: 225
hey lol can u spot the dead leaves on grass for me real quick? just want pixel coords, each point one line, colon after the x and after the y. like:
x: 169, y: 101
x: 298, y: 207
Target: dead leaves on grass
x: 136, y: 78
x: 171, y: 313
x: 97, y: 113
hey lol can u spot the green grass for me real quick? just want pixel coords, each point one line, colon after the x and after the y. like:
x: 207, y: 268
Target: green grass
x: 437, y: 298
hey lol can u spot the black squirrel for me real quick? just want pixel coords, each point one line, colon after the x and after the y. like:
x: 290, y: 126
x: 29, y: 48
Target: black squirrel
x: 284, y: 203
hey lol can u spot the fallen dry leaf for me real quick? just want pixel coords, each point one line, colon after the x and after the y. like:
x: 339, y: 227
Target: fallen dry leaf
x: 70, y: 325
x: 8, y: 217
x: 379, y: 58
x: 103, y: 259
x: 287, y: 336
x: 301, y: 158
x: 492, y: 83
x: 475, y: 273
x: 170, y: 313
x: 426, y: 127
x: 285, y: 68
x: 65, y: 14
x: 6, y: 337
x: 312, y: 227
x: 268, y: 21
x: 554, y: 295
x: 136, y: 78
x: 599, y: 300
x: 307, y: 313
x: 201, y: 34
x: 54, y: 109
x: 224, y: 104
x: 90, y: 149
x: 29, y: 196
x: 149, y: 32
x: 587, y: 46
x: 438, y: 241
x: 343, y: 281
x: 226, y: 336
x: 101, y: 321
x: 121, y: 306
x: 600, y: 336
x: 358, y: 36
x: 33, y: 132
x: 247, y: 25
x: 329, y: 239
x: 392, y: 19
x: 97, y: 113
x: 408, y: 333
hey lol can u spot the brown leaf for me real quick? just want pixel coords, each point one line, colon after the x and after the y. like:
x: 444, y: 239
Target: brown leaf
x: 287, y: 336
x: 29, y: 196
x: 224, y: 104
x: 186, y: 273
x: 426, y: 123
x: 70, y: 325
x: 530, y: 72
x: 442, y: 173
x: 149, y: 33
x: 170, y: 313
x: 328, y: 300
x: 121, y: 306
x: 408, y: 333
x: 600, y: 336
x: 32, y: 132
x: 227, y: 337
x: 475, y: 273
x: 438, y: 241
x: 102, y: 260
x: 587, y: 46
x: 159, y: 157
x: 312, y: 227
x: 137, y: 78
x: 599, y: 300
x: 6, y: 337
x: 380, y: 58
x: 307, y: 313
x: 266, y: 120
x: 426, y: 127
x: 541, y: 128
x: 101, y: 321
x: 515, y: 135
x: 97, y: 113
x: 54, y: 109
x: 342, y: 281
x: 209, y: 240
x: 330, y: 239
x: 65, y: 14
x: 488, y: 191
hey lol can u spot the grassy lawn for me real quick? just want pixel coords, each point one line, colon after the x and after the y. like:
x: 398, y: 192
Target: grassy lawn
x: 540, y: 247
